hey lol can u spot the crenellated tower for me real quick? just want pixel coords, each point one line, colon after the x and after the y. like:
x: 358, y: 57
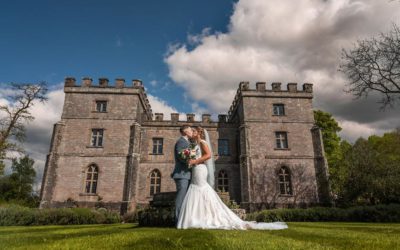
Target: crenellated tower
x: 110, y: 150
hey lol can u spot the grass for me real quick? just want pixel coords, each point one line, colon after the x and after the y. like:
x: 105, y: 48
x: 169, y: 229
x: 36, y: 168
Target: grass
x: 300, y: 235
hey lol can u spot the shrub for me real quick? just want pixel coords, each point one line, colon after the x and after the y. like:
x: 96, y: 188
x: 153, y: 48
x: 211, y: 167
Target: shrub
x: 14, y: 215
x: 378, y: 213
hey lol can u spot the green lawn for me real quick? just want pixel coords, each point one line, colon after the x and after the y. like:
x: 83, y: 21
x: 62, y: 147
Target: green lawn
x: 300, y: 235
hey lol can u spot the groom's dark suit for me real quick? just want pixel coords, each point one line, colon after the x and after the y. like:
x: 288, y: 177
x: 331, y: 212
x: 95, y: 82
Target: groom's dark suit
x: 181, y: 174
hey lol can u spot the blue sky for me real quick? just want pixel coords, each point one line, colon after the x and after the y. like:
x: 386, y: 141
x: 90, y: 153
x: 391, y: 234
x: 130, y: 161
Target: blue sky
x: 48, y: 40
x: 191, y: 55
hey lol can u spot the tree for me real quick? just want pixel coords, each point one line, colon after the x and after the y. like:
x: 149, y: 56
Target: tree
x: 23, y: 175
x: 19, y: 184
x: 21, y: 98
x: 329, y: 129
x: 373, y: 171
x: 373, y: 65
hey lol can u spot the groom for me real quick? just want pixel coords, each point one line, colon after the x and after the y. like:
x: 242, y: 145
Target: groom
x: 181, y: 173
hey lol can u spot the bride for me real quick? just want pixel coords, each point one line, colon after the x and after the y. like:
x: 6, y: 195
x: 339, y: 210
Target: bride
x: 202, y: 207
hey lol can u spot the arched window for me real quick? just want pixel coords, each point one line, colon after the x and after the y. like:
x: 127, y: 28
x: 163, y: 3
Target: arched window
x: 155, y: 182
x: 223, y: 181
x: 92, y: 174
x: 285, y: 183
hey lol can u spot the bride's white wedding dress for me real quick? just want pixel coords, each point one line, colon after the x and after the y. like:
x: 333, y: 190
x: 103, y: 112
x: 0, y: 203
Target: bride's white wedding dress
x: 203, y: 208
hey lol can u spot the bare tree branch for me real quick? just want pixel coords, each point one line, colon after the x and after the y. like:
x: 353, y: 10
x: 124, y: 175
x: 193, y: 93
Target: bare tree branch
x: 12, y: 125
x: 374, y: 65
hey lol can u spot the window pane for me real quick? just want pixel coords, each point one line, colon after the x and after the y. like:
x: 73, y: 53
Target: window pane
x: 275, y: 110
x: 278, y: 143
x: 282, y: 188
x: 94, y: 186
x: 87, y: 188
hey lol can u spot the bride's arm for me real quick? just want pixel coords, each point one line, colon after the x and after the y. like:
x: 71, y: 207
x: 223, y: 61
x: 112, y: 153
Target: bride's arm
x: 204, y: 157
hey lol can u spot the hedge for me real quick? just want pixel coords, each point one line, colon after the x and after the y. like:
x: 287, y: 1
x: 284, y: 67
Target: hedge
x: 14, y: 215
x: 377, y: 213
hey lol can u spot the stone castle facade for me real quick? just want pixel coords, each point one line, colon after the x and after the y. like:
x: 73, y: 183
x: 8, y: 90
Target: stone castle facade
x: 109, y: 149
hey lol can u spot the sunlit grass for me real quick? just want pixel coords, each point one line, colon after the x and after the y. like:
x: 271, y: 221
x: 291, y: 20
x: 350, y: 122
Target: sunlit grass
x: 300, y: 235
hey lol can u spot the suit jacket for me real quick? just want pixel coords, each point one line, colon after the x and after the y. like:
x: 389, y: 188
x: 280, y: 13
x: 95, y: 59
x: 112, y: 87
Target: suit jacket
x: 181, y: 170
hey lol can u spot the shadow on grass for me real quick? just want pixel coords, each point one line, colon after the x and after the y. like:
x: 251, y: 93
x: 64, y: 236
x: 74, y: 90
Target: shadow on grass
x: 50, y: 228
x: 353, y: 227
x: 39, y: 236
x: 335, y: 237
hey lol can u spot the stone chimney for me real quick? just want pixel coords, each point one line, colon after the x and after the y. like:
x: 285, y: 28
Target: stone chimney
x: 292, y: 87
x: 119, y: 82
x: 260, y: 86
x: 276, y: 86
x: 69, y: 82
x: 103, y: 82
x: 159, y: 117
x: 174, y: 117
x: 206, y: 118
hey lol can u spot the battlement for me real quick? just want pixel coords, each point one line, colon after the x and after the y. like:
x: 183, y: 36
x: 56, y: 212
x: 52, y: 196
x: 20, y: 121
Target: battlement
x: 190, y: 118
x: 102, y: 83
x: 103, y: 86
x: 275, y: 91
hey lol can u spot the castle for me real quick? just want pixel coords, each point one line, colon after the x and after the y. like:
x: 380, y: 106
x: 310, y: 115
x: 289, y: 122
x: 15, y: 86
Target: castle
x: 109, y: 148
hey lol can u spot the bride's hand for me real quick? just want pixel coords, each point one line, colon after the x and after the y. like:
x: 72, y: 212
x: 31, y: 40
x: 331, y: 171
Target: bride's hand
x: 192, y: 162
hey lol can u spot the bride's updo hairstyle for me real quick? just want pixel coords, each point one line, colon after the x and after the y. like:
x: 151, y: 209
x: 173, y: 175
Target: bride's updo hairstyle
x: 200, y: 130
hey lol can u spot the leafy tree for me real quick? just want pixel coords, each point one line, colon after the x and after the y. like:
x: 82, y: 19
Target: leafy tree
x: 373, y: 171
x: 23, y: 175
x: 329, y: 128
x: 373, y: 65
x: 18, y: 185
x: 335, y: 151
x: 339, y: 170
x: 21, y: 98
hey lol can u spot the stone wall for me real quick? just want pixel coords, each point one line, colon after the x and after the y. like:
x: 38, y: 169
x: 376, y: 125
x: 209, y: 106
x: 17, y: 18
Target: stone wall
x: 126, y: 159
x: 169, y: 131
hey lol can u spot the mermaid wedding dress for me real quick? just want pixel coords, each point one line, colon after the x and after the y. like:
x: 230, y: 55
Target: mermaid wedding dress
x: 203, y: 208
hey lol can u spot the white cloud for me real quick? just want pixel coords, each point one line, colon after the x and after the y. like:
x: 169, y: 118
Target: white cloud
x: 153, y: 83
x: 283, y: 41
x: 39, y: 131
x: 160, y: 106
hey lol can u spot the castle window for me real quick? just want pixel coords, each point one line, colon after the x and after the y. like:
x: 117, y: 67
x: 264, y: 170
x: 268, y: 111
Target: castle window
x: 91, y: 179
x: 279, y: 109
x: 285, y: 183
x: 281, y: 139
x: 223, y: 181
x: 101, y: 106
x: 155, y: 182
x: 158, y: 146
x: 97, y: 137
x: 223, y: 147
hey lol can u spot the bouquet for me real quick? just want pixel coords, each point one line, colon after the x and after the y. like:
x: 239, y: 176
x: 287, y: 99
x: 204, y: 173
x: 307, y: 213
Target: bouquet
x: 188, y: 153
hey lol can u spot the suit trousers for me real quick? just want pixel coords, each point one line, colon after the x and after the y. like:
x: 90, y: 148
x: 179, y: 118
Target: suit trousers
x: 181, y: 189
